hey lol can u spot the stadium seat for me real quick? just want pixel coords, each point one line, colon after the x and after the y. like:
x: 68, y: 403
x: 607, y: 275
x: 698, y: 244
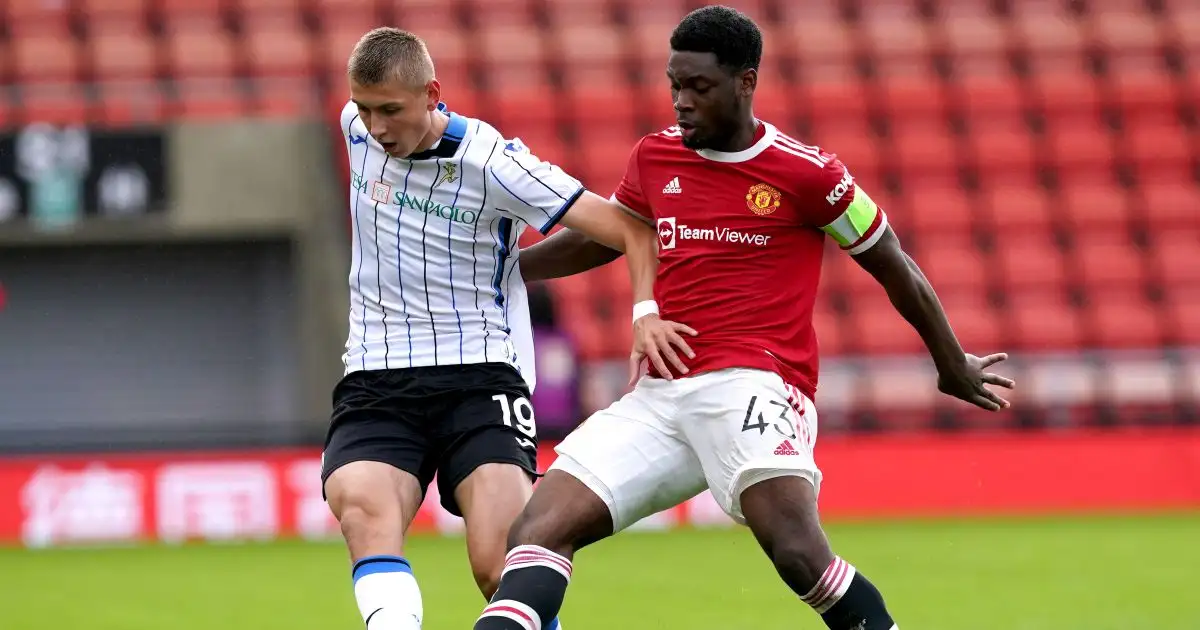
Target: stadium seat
x: 877, y: 328
x: 923, y: 146
x: 123, y: 10
x: 569, y: 13
x: 277, y: 47
x: 1175, y: 259
x: 1182, y: 314
x: 1123, y: 319
x: 200, y: 50
x: 1104, y: 262
x: 893, y: 31
x: 1089, y: 206
x: 420, y: 16
x: 956, y: 266
x: 1137, y: 89
x: 1043, y: 321
x: 834, y: 101
x: 828, y: 325
x: 209, y: 100
x: 122, y: 50
x: 851, y: 140
x: 511, y: 54
x: 828, y: 43
x: 1001, y: 141
x: 125, y: 104
x: 502, y: 13
x: 977, y: 324
x: 1029, y: 261
x: 937, y: 205
x: 1016, y: 208
x: 1045, y: 29
x: 973, y: 37
x: 842, y: 275
x: 23, y: 16
x: 190, y: 9
x: 260, y: 9
x: 1080, y: 143
x: 50, y: 57
x: 1065, y: 95
x: 337, y: 38
x: 981, y: 97
x: 294, y: 98
x: 1169, y: 203
x: 55, y: 103
x: 1124, y: 32
x: 1157, y: 141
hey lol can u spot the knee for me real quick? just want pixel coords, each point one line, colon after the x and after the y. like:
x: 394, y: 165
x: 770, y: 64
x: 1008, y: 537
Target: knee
x: 365, y: 516
x: 487, y: 578
x: 800, y: 560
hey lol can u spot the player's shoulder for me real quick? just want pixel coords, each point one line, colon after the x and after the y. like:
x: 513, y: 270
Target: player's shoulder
x: 668, y: 139
x: 349, y: 114
x: 801, y: 157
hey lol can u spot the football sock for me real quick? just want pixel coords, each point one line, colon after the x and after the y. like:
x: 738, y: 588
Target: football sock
x: 387, y: 593
x: 846, y: 600
x: 532, y: 587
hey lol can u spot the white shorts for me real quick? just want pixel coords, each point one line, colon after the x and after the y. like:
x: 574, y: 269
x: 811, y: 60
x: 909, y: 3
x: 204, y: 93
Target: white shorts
x: 667, y: 441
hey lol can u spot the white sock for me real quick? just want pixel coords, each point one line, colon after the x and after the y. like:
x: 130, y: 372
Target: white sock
x: 387, y: 593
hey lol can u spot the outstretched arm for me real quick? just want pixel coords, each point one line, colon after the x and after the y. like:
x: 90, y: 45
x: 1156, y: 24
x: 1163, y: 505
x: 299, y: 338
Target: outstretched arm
x: 564, y: 253
x: 960, y: 374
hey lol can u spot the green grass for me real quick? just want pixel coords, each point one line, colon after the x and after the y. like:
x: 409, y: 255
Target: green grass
x: 1094, y: 573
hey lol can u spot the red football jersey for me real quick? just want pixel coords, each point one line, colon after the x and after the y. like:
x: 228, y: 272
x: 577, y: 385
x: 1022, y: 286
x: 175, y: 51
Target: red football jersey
x: 740, y: 242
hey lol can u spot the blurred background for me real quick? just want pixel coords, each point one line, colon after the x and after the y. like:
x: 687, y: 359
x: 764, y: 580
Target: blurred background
x: 174, y: 248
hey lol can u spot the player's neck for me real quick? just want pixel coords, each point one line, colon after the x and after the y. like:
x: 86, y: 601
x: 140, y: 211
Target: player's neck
x: 745, y: 137
x: 438, y: 127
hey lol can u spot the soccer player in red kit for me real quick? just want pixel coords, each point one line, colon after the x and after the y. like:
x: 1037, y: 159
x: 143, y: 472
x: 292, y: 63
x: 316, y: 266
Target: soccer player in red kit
x: 742, y: 212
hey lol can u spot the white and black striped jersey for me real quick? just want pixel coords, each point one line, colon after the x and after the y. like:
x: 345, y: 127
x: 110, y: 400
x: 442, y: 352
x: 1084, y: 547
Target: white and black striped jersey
x: 434, y: 278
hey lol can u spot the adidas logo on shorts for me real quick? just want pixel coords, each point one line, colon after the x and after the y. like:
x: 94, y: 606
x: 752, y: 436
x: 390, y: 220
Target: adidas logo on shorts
x: 785, y: 448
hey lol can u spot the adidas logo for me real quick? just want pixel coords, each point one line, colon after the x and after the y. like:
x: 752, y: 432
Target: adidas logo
x: 785, y: 448
x: 672, y: 187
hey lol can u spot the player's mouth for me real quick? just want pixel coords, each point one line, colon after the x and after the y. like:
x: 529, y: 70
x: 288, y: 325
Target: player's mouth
x: 687, y: 129
x: 390, y: 147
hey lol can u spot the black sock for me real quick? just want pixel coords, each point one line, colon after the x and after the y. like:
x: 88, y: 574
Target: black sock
x: 532, y: 587
x: 846, y: 600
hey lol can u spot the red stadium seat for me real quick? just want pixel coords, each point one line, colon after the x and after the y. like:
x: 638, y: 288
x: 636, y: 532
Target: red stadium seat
x: 1047, y: 34
x: 1082, y: 143
x: 1157, y: 141
x: 288, y: 99
x: 277, y: 47
x: 1043, y: 321
x: 1018, y: 209
x: 850, y: 139
x: 1094, y: 206
x: 913, y: 91
x: 1182, y: 314
x: 924, y: 146
x: 336, y: 41
x: 842, y: 275
x: 1169, y: 204
x: 1174, y: 259
x: 982, y: 97
x: 209, y: 100
x: 59, y: 104
x: 1066, y: 95
x: 23, y: 16
x: 260, y: 9
x: 955, y: 266
x: 503, y: 13
x: 568, y: 13
x: 581, y: 47
x: 45, y: 57
x: 1109, y: 262
x: 125, y: 10
x: 1124, y: 32
x: 1001, y: 142
x: 974, y: 36
x: 821, y: 43
x: 125, y: 104
x: 833, y: 101
x: 1137, y: 90
x: 977, y: 324
x: 422, y: 15
x: 891, y: 35
x: 828, y: 325
x: 1123, y: 319
x: 1030, y: 261
x: 201, y: 50
x: 512, y: 54
x: 187, y: 9
x: 453, y: 56
x: 878, y: 328
x: 938, y: 206
x: 123, y: 50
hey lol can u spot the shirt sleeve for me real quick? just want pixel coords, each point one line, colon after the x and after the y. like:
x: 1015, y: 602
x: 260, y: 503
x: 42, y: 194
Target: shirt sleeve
x: 629, y: 192
x: 534, y: 191
x: 839, y: 207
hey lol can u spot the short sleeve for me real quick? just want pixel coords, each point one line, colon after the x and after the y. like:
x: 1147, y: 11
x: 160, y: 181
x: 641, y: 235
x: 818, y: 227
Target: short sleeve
x: 629, y: 191
x: 537, y: 192
x: 838, y: 206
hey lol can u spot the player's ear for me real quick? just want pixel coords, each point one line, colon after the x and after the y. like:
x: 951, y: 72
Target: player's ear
x: 433, y: 93
x: 748, y: 82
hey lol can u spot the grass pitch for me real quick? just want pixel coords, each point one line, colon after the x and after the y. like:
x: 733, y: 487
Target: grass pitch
x: 1093, y: 573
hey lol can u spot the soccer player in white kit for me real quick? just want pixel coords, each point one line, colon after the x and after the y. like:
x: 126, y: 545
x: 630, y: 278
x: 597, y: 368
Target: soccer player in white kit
x: 439, y: 359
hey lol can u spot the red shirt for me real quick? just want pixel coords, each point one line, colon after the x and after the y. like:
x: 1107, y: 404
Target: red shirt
x: 741, y: 237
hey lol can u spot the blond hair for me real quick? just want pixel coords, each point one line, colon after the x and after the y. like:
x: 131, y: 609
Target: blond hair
x: 390, y: 53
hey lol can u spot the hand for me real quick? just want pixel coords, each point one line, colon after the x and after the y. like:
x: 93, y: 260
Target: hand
x: 652, y: 340
x: 968, y: 382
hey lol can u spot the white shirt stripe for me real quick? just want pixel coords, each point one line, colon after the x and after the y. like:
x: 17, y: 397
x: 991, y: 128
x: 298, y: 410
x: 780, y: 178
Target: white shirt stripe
x: 434, y: 276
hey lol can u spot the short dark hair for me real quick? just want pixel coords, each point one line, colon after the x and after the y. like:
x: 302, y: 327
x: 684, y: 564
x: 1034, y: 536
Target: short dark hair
x: 727, y: 33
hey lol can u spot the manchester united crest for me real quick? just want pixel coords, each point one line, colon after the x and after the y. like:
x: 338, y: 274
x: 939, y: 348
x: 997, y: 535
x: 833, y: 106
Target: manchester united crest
x: 763, y: 199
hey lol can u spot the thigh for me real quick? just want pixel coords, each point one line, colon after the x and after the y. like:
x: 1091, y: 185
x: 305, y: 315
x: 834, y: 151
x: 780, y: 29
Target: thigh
x: 629, y: 456
x: 487, y: 419
x: 374, y: 421
x: 748, y: 426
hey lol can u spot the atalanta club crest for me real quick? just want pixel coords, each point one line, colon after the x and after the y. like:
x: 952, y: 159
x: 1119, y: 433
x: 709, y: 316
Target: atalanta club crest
x: 763, y: 199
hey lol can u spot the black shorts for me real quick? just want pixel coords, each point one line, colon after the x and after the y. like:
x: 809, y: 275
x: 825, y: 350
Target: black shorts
x: 447, y: 420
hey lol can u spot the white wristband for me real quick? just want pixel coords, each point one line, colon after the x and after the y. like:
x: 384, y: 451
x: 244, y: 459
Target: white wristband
x: 644, y: 308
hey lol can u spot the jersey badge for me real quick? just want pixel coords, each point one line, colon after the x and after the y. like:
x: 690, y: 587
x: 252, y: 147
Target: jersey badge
x: 450, y: 176
x: 763, y: 199
x: 380, y: 192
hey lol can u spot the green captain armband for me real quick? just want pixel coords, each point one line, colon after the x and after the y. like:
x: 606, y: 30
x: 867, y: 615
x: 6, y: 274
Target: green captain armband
x: 860, y: 226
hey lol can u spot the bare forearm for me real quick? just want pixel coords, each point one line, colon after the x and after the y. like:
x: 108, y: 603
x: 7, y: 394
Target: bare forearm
x: 914, y: 298
x: 564, y: 253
